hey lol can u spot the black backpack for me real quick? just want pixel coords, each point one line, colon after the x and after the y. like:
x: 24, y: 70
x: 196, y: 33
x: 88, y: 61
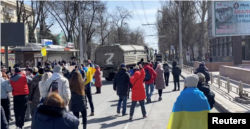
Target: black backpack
x: 147, y: 76
x: 54, y: 86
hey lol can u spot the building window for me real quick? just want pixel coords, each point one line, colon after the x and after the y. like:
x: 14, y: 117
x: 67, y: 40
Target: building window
x: 214, y: 46
x: 216, y: 40
x: 217, y: 48
x: 230, y: 49
x: 225, y: 49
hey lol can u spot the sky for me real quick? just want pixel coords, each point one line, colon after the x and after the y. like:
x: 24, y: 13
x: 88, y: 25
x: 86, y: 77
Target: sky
x: 150, y: 7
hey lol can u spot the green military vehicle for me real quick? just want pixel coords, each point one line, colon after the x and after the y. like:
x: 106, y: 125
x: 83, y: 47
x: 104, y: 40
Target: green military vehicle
x: 110, y: 57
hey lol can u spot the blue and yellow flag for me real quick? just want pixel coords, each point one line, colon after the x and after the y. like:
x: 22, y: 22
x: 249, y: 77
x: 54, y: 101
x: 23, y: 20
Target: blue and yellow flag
x: 190, y: 111
x: 43, y: 51
x: 89, y: 74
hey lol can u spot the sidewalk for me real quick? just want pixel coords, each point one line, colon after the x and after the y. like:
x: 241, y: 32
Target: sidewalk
x: 225, y: 101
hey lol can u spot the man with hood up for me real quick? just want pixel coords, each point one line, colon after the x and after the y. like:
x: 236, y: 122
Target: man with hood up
x: 121, y: 86
x: 203, y: 69
x: 20, y: 95
x: 176, y: 71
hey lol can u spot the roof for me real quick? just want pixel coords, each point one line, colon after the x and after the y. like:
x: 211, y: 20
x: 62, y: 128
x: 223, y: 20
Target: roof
x: 132, y: 47
x: 38, y: 47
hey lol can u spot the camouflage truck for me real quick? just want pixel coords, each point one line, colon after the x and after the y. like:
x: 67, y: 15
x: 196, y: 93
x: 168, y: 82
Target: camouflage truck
x: 110, y: 57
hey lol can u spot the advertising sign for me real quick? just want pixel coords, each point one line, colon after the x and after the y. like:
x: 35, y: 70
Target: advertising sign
x: 46, y: 42
x: 11, y: 58
x: 231, y: 18
x: 70, y: 45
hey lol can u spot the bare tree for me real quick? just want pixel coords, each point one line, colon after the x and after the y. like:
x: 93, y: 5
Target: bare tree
x: 22, y: 15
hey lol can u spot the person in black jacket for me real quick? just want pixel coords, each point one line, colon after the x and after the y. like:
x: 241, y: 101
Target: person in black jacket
x: 166, y: 72
x: 176, y: 71
x: 4, y: 123
x: 141, y: 62
x: 202, y: 69
x: 202, y: 86
x: 65, y: 71
x: 121, y: 86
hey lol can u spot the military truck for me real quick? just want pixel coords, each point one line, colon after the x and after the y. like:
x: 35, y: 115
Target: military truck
x: 158, y: 57
x: 110, y: 57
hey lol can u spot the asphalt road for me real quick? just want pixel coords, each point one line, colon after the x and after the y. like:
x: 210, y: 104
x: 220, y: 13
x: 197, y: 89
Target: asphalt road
x: 105, y: 104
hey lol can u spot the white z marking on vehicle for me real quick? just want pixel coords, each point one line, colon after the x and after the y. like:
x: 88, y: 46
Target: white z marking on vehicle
x: 110, y: 57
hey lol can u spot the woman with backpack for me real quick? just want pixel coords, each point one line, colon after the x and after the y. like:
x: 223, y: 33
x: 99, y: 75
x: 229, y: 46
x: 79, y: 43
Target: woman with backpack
x: 138, y: 91
x: 42, y: 87
x: 159, y: 81
x: 78, y: 102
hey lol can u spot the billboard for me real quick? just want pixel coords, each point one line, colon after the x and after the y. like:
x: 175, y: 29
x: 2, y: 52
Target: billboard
x: 12, y: 34
x: 70, y: 45
x: 46, y: 42
x: 231, y: 18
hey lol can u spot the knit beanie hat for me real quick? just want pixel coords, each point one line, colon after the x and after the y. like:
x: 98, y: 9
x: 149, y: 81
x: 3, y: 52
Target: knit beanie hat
x: 17, y: 70
x: 41, y: 71
x: 57, y: 69
x: 35, y: 69
x: 136, y: 67
x: 191, y: 80
x: 123, y: 65
x: 202, y: 63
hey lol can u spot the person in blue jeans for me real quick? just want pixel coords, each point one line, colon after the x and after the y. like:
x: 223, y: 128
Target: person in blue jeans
x: 149, y: 71
x: 121, y: 85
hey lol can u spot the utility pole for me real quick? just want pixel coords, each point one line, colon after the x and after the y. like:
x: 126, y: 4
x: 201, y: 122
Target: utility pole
x: 80, y: 35
x: 180, y: 36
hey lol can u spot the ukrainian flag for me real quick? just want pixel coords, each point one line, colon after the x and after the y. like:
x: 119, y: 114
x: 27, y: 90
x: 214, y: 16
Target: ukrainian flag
x: 43, y: 51
x: 89, y: 74
x: 190, y: 111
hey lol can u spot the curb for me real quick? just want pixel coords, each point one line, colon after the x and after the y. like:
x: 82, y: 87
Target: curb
x: 220, y: 107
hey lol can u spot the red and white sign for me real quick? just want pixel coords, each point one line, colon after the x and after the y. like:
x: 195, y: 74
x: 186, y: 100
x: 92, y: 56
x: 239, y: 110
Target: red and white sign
x: 70, y: 45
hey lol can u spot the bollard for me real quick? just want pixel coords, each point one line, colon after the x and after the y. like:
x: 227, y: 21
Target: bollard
x: 219, y: 80
x: 212, y: 79
x: 240, y: 89
x: 228, y: 85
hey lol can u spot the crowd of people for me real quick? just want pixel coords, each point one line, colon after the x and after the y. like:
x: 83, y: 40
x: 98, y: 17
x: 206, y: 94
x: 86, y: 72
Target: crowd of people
x: 47, y: 95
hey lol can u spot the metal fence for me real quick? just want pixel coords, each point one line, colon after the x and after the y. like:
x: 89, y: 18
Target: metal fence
x: 223, y: 82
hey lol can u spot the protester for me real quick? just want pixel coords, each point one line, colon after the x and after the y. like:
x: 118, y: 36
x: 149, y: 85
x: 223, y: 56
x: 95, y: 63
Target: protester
x: 48, y: 68
x: 202, y: 86
x: 5, y: 101
x: 84, y: 68
x: 20, y: 96
x: 166, y: 72
x: 29, y: 76
x: 130, y: 71
x: 149, y: 81
x: 89, y: 77
x: 191, y: 107
x: 141, y: 62
x: 42, y: 88
x: 35, y: 71
x: 78, y: 100
x: 34, y: 94
x: 90, y: 64
x: 98, y: 80
x: 4, y: 121
x: 52, y: 114
x: 176, y: 71
x: 202, y: 69
x: 80, y: 69
x: 138, y: 91
x: 121, y: 85
x: 65, y: 71
x: 211, y: 59
x: 62, y: 85
x: 159, y: 81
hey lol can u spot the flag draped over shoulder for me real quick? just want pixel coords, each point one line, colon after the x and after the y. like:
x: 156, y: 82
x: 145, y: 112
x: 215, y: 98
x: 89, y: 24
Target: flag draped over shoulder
x: 43, y: 51
x: 190, y: 111
x: 89, y: 74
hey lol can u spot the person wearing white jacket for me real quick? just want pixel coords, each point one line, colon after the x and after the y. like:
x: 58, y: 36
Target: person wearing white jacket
x: 63, y: 84
x: 43, y: 90
x: 5, y: 102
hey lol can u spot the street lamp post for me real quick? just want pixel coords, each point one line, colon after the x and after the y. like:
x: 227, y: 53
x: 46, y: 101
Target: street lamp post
x: 180, y: 36
x: 80, y: 36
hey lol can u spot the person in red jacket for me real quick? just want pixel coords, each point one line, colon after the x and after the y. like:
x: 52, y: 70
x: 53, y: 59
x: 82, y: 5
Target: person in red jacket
x: 149, y: 83
x: 138, y: 91
x: 20, y: 93
x: 98, y: 80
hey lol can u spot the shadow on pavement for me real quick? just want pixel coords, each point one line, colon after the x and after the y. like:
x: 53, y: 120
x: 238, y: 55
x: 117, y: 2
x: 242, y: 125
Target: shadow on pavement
x: 163, y: 92
x: 99, y: 120
x: 28, y: 127
x: 113, y: 100
x: 104, y: 82
x: 115, y: 105
x: 114, y: 124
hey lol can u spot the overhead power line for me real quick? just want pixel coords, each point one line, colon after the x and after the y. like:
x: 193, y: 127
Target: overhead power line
x: 136, y: 12
x: 144, y: 11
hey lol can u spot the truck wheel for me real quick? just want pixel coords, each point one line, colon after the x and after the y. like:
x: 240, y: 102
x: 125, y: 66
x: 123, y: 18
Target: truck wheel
x: 111, y: 77
x: 108, y: 79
